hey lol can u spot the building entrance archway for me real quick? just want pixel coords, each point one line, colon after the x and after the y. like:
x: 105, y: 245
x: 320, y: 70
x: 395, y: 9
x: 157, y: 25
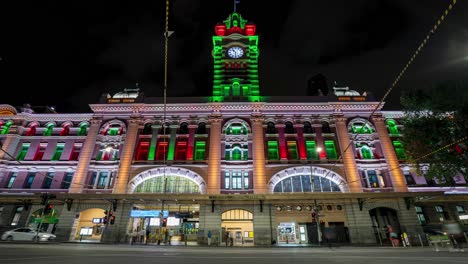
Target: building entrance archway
x: 383, y: 218
x: 237, y: 224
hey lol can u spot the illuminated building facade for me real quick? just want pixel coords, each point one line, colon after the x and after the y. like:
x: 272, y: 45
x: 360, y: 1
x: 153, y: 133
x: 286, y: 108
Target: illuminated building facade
x: 266, y: 169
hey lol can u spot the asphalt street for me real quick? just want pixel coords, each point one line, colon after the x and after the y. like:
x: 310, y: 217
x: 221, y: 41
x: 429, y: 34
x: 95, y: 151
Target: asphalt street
x: 117, y: 254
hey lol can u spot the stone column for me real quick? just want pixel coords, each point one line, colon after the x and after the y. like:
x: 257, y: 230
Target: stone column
x: 319, y: 142
x: 154, y: 140
x: 396, y: 175
x: 10, y: 145
x: 258, y: 151
x: 127, y: 156
x: 214, y: 157
x: 350, y: 168
x: 86, y: 153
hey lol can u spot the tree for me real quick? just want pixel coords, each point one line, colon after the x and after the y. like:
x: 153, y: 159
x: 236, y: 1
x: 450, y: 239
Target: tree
x: 436, y: 118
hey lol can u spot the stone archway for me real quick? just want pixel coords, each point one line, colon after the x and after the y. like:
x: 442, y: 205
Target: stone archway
x: 381, y: 218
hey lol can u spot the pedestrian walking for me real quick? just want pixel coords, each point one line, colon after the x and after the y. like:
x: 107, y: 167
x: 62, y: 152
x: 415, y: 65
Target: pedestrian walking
x: 209, y: 237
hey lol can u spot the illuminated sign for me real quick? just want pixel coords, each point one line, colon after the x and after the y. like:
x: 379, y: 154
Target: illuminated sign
x: 148, y: 213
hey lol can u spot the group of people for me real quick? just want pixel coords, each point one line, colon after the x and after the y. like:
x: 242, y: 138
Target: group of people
x: 227, y: 237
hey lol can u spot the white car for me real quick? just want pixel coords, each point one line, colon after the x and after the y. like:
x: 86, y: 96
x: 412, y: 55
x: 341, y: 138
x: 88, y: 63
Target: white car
x: 28, y: 234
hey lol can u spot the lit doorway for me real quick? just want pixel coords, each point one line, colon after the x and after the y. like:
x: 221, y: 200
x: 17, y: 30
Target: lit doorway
x: 239, y: 224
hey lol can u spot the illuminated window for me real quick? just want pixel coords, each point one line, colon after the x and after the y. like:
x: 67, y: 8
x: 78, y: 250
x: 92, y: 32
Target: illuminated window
x: 11, y: 180
x: 273, y: 150
x: 292, y: 150
x: 102, y: 180
x: 49, y: 130
x: 76, y: 151
x: 181, y: 149
x: 409, y: 178
x: 161, y: 152
x: 67, y: 179
x: 366, y: 152
x: 420, y: 215
x: 236, y: 180
x: 440, y: 213
x: 24, y: 150
x: 6, y: 128
x: 142, y: 152
x: 392, y: 127
x: 29, y: 180
x: 48, y: 180
x: 83, y: 129
x: 370, y: 179
x: 58, y: 151
x: 227, y: 181
x: 399, y: 150
x: 31, y: 131
x: 305, y: 183
x: 168, y: 184
x: 330, y: 149
x: 199, y: 150
x: 40, y: 151
x: 65, y: 130
x: 17, y: 216
x: 311, y: 149
x: 246, y: 181
x: 361, y: 128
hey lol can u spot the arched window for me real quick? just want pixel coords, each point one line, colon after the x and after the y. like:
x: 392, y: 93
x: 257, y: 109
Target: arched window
x: 325, y: 127
x: 6, y: 128
x: 236, y: 152
x: 308, y: 129
x: 201, y: 128
x: 65, y: 130
x: 32, y: 130
x: 305, y: 183
x: 147, y: 129
x: 392, y: 127
x: 361, y: 128
x: 168, y: 184
x: 83, y: 129
x: 236, y: 129
x: 271, y: 129
x: 183, y: 129
x: 108, y: 153
x: 289, y: 128
x: 366, y: 152
x: 49, y: 130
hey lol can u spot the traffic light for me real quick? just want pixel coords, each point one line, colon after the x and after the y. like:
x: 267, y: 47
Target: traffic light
x: 111, y: 217
x: 313, y: 217
x: 164, y: 222
x: 48, y: 209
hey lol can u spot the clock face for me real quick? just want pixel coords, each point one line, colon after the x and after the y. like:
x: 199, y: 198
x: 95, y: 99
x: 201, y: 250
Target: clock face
x: 235, y: 52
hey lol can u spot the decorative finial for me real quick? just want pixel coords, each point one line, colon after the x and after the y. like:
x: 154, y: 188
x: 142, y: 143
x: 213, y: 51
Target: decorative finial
x: 235, y: 4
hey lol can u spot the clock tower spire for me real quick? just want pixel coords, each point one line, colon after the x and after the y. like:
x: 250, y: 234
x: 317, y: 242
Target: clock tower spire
x: 235, y: 54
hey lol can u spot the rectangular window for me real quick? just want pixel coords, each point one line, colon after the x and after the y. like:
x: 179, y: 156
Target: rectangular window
x: 58, y: 151
x: 292, y: 150
x: 161, y: 151
x: 199, y: 150
x: 311, y: 148
x: 273, y: 150
x: 227, y: 181
x: 102, y: 180
x: 420, y: 215
x: 142, y: 152
x: 246, y: 181
x: 113, y: 131
x: 399, y: 150
x: 236, y: 181
x: 440, y: 212
x: 40, y: 151
x: 76, y: 151
x: 11, y: 180
x: 92, y: 180
x: 409, y: 178
x: 24, y: 150
x: 330, y: 149
x: 181, y: 149
x: 29, y: 180
x: 373, y: 180
x: 67, y: 179
x: 48, y: 180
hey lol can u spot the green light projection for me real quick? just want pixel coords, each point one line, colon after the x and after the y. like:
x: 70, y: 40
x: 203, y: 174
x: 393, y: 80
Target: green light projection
x: 235, y: 79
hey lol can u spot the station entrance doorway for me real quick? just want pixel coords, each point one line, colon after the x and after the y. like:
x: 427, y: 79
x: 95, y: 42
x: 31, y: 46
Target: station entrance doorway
x: 237, y: 224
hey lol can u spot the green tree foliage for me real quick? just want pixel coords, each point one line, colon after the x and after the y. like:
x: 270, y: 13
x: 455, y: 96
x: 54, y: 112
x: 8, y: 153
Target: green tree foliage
x: 435, y: 118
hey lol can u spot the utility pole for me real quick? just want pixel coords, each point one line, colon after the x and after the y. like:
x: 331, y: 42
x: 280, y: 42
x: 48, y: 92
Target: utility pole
x: 317, y: 216
x: 45, y: 202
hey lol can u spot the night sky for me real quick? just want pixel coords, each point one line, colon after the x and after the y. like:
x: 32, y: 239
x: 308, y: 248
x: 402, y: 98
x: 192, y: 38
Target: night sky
x: 67, y: 53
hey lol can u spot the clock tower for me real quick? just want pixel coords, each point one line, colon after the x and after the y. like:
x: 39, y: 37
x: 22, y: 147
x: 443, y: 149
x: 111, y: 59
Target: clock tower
x: 235, y: 54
